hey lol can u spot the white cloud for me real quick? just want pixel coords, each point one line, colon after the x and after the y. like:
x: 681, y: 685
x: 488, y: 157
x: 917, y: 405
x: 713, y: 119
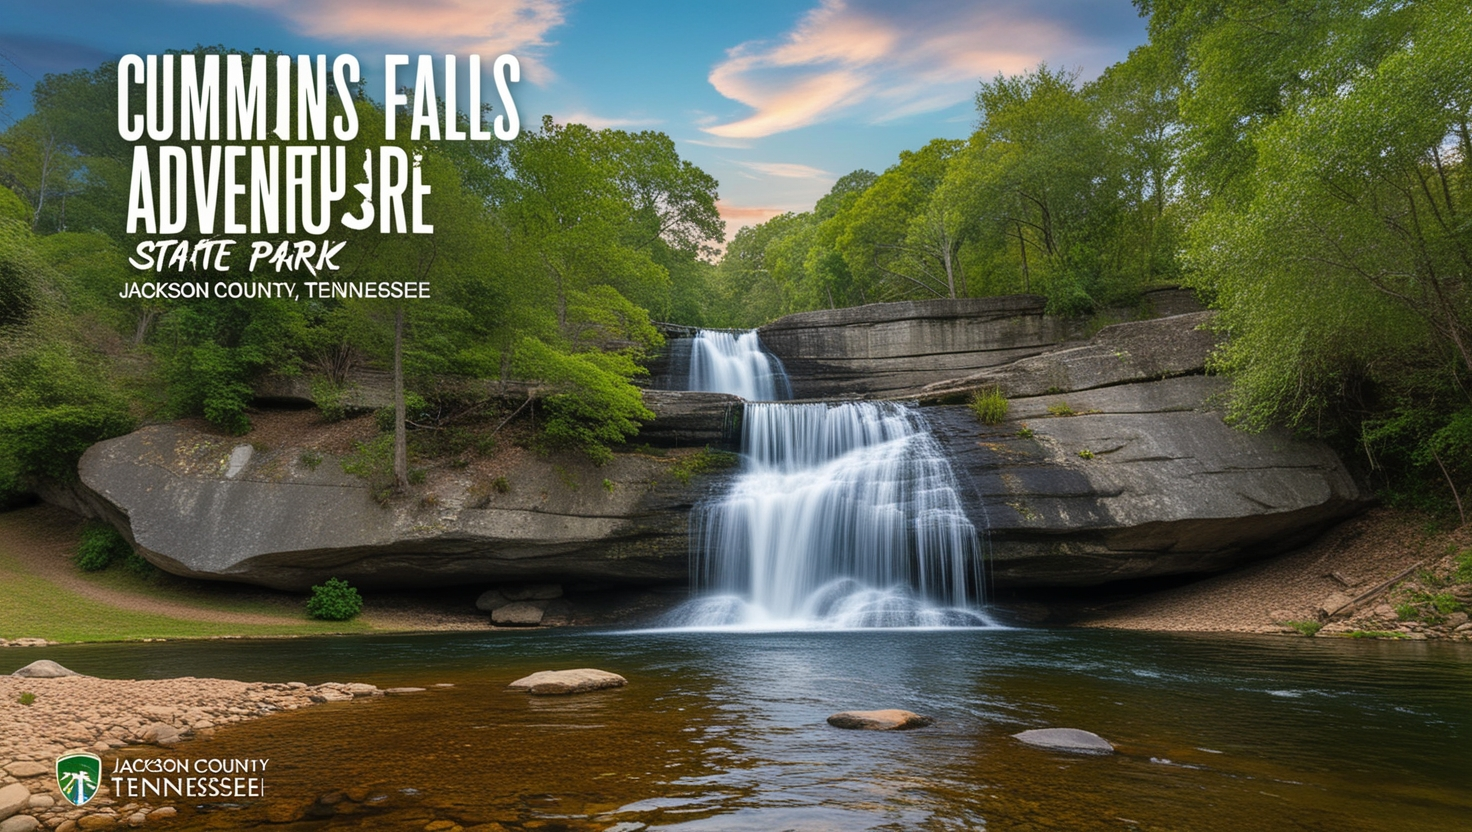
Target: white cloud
x: 484, y: 27
x: 789, y: 170
x: 890, y: 61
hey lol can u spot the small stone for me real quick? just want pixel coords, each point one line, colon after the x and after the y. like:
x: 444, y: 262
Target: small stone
x: 26, y: 768
x: 162, y: 812
x: 43, y: 669
x: 1465, y: 628
x: 553, y: 682
x: 42, y: 801
x: 518, y: 614
x: 159, y: 733
x: 890, y: 719
x: 1066, y: 739
x: 137, y: 819
x: 20, y: 823
x: 90, y: 822
x: 361, y: 689
x: 13, y: 798
x: 67, y: 825
x: 403, y: 690
x: 330, y: 695
x: 1456, y: 620
x: 440, y: 826
x: 532, y: 592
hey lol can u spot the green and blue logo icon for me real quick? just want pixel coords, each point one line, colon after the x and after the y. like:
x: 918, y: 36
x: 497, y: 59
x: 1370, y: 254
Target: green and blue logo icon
x: 79, y: 775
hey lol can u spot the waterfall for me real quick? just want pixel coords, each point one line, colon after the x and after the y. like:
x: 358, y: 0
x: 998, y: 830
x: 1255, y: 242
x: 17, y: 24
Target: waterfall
x: 843, y: 515
x: 724, y: 363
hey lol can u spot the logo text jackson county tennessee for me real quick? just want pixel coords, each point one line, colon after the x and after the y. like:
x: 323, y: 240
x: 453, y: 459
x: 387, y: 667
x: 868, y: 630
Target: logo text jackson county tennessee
x: 204, y: 778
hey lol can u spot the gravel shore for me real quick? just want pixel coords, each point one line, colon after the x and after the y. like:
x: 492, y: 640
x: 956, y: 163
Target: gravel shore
x: 82, y: 713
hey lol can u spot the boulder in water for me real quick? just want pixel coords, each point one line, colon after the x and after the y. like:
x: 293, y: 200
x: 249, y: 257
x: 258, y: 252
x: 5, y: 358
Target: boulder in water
x: 1066, y: 739
x: 891, y: 719
x: 43, y: 669
x: 553, y: 682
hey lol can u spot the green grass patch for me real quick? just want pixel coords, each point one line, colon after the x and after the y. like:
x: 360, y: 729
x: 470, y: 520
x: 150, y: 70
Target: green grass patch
x: 32, y: 606
x: 1463, y: 572
x: 1374, y: 634
x: 1025, y: 432
x: 989, y: 405
x: 26, y: 698
x: 1307, y: 627
x: 1061, y: 409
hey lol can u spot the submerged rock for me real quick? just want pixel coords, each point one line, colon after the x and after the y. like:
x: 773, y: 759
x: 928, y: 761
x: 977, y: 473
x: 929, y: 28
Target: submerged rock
x: 1066, y: 739
x: 582, y: 680
x: 43, y: 669
x: 890, y: 719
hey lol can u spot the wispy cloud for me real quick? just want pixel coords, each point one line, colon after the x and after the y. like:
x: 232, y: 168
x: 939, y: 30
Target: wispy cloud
x: 484, y: 27
x: 788, y: 170
x: 896, y: 61
x: 740, y: 216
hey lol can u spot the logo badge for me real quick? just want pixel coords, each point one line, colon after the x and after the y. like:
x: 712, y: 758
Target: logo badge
x: 79, y: 775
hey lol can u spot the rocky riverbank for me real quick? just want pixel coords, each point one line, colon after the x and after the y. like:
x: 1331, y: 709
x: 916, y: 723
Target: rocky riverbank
x: 1387, y: 574
x: 45, y: 718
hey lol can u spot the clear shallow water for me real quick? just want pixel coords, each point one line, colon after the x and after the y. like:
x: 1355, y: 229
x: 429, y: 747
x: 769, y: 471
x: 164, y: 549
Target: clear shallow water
x: 726, y: 731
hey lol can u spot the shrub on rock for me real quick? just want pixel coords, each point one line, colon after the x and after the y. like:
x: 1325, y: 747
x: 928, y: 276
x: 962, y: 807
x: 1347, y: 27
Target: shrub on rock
x: 335, y: 600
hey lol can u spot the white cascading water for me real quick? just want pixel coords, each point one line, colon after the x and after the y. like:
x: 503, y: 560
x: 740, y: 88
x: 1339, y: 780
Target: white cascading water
x: 721, y: 362
x: 843, y: 515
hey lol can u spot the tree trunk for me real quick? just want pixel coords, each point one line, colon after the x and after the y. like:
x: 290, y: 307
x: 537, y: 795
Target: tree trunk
x: 401, y: 437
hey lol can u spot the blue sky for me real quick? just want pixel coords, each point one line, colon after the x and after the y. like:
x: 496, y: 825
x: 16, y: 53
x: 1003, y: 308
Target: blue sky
x: 774, y: 99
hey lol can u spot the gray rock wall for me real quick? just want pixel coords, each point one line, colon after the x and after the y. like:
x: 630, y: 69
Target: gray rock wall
x: 206, y: 506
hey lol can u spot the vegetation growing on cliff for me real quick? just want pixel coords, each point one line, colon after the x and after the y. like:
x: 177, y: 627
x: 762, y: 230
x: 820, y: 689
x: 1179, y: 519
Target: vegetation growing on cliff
x: 1304, y: 166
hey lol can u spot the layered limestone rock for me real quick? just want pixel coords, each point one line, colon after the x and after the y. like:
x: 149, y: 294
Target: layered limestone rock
x: 1114, y: 463
x: 207, y: 506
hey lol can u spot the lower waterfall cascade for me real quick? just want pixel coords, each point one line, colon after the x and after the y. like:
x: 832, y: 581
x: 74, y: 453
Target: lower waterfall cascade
x: 844, y: 515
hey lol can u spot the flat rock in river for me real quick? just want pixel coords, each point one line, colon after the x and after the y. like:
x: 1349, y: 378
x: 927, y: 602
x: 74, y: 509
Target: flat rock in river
x: 890, y: 719
x: 550, y: 682
x: 1066, y: 739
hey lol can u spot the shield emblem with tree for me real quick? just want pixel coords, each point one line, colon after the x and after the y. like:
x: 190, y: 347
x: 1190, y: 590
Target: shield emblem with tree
x: 78, y: 776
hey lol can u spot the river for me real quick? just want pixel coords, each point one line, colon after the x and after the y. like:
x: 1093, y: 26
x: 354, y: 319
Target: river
x: 726, y: 731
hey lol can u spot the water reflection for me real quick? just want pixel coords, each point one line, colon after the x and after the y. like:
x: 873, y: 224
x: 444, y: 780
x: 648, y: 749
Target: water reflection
x: 727, y: 732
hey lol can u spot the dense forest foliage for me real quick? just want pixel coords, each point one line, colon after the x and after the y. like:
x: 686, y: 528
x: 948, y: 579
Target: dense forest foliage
x: 1302, y: 164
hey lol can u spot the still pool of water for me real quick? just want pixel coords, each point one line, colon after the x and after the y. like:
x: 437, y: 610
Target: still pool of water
x: 726, y: 731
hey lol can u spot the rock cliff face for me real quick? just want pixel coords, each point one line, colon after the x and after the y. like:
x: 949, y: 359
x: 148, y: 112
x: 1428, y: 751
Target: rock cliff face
x: 1112, y: 463
x: 210, y: 507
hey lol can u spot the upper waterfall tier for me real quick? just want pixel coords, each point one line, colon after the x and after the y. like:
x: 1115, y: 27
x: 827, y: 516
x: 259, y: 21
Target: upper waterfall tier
x: 724, y: 363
